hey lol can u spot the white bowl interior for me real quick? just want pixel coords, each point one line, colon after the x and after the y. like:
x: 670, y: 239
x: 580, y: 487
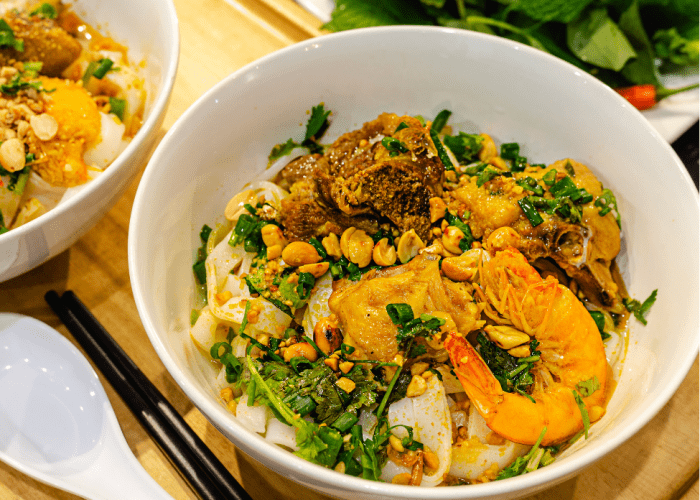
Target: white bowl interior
x: 510, y: 91
x: 151, y: 36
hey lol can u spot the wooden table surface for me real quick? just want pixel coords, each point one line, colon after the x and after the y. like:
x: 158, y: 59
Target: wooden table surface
x: 218, y: 37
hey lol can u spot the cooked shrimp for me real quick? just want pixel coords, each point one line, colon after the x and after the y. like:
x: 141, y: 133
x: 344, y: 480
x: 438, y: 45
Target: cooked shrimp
x: 571, y: 352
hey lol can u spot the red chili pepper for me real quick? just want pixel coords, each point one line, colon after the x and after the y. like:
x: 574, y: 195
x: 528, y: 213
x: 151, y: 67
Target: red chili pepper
x: 646, y: 96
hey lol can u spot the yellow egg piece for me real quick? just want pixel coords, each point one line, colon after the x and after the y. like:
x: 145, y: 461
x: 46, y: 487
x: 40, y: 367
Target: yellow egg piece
x: 60, y: 159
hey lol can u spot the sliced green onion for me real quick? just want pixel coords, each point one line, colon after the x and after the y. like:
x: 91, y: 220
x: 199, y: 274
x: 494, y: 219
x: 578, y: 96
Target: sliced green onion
x: 394, y: 146
x: 103, y: 66
x: 441, y: 120
x: 531, y: 185
x: 303, y: 405
x: 45, y: 11
x: 441, y: 151
x: 584, y: 413
x: 305, y: 284
x: 344, y: 422
x: 530, y: 212
x: 117, y: 107
x: 400, y: 313
x: 563, y: 187
x: 510, y: 150
x: 401, y: 126
x: 550, y: 177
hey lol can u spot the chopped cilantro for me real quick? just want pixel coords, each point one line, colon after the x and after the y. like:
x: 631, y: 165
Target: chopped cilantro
x: 198, y: 266
x: 7, y: 37
x: 640, y: 309
x: 316, y: 126
x: 45, y: 11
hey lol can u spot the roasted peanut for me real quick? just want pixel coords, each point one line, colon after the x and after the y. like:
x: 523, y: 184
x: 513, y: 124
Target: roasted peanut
x: 409, y: 245
x: 396, y: 443
x: 402, y: 478
x: 437, y: 209
x: 416, y: 387
x: 430, y: 459
x: 303, y: 349
x: 596, y: 412
x: 332, y: 246
x: 299, y: 253
x: 222, y: 298
x: 463, y: 267
x: 226, y: 394
x: 317, y: 270
x: 498, y: 162
x: 506, y: 337
x: 451, y: 237
x: 383, y: 253
x: 331, y: 363
x: 346, y: 366
x: 344, y: 241
x: 273, y: 252
x: 522, y: 351
x: 12, y: 155
x: 44, y: 126
x: 272, y: 235
x: 360, y: 247
x: 502, y: 238
x: 232, y: 406
x: 419, y: 367
x: 234, y: 208
x: 346, y: 384
x: 488, y: 148
x: 327, y: 335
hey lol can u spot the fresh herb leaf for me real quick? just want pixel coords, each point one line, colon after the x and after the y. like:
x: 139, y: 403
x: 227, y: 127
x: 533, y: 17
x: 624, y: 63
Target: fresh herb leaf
x: 607, y: 202
x: 672, y: 47
x: 351, y: 14
x: 464, y: 146
x: 588, y: 387
x: 441, y: 150
x: 599, y: 319
x: 117, y: 107
x: 7, y: 37
x: 584, y: 413
x: 394, y: 146
x: 563, y: 11
x: 283, y: 149
x: 530, y: 211
x: 45, y: 11
x: 318, y: 121
x: 518, y: 467
x: 642, y: 69
x: 597, y: 40
x: 640, y: 309
x: 466, y: 242
x: 441, y: 120
x: 198, y: 266
x: 512, y: 373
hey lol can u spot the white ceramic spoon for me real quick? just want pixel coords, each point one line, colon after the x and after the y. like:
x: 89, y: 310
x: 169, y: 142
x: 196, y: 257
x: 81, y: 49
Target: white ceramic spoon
x: 56, y: 422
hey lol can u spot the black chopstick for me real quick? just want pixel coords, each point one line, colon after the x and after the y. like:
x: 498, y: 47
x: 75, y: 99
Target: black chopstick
x: 201, y: 469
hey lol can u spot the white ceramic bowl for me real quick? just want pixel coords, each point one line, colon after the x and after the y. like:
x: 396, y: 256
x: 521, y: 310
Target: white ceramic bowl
x: 153, y: 36
x: 511, y: 91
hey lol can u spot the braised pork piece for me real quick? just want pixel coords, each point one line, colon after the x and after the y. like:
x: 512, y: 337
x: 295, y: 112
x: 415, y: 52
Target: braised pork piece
x: 359, y: 182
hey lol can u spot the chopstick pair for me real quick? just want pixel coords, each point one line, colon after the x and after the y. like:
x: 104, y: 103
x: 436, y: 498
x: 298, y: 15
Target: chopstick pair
x: 198, y: 465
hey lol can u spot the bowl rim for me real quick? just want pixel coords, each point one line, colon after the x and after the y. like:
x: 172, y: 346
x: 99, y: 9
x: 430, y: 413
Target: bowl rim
x: 140, y: 139
x: 248, y: 440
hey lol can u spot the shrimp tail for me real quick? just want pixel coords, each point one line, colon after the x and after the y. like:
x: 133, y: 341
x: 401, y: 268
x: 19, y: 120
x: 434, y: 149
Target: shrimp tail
x: 481, y: 386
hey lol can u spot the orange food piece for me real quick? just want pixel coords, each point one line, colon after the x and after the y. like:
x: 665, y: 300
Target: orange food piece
x: 79, y: 126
